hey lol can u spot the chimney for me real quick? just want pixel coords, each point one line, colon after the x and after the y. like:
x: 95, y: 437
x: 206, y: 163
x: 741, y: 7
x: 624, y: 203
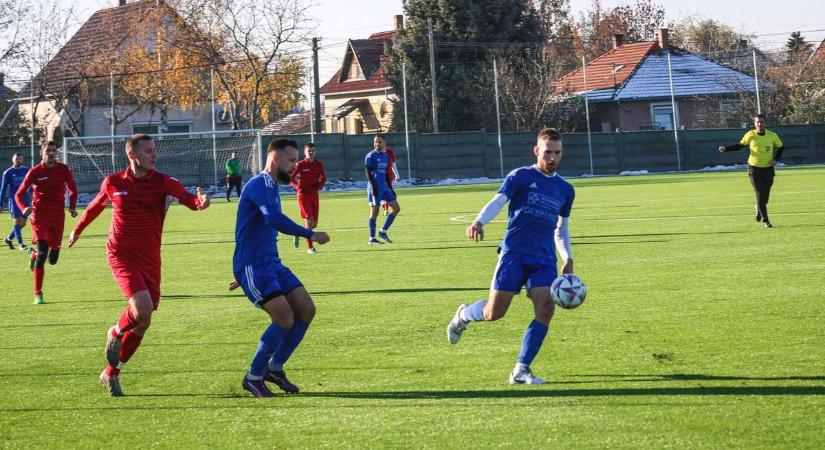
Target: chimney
x: 121, y: 2
x: 618, y: 40
x: 664, y: 41
x: 743, y: 44
x: 399, y: 22
x: 2, y: 78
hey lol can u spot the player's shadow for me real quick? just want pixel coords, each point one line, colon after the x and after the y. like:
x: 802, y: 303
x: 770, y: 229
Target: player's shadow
x: 539, y: 391
x: 696, y: 377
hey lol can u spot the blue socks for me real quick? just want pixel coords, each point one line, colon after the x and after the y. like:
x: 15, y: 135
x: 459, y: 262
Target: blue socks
x: 270, y: 341
x: 372, y: 227
x: 17, y: 235
x: 388, y: 222
x: 292, y: 338
x: 531, y: 342
x: 475, y: 312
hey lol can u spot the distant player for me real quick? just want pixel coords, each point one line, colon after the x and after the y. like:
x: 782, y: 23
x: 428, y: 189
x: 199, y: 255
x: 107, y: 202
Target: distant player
x: 50, y: 180
x: 12, y: 179
x: 267, y: 283
x: 540, y: 205
x: 376, y: 165
x: 764, y: 151
x: 233, y: 175
x: 138, y: 196
x: 392, y: 175
x: 308, y: 179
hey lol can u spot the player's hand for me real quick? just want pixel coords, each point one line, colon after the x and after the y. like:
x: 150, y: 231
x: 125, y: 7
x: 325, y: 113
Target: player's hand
x: 721, y: 149
x: 319, y: 237
x: 27, y: 212
x: 567, y: 267
x: 234, y: 285
x: 73, y: 237
x: 773, y: 163
x: 475, y: 232
x: 202, y: 198
x: 73, y: 212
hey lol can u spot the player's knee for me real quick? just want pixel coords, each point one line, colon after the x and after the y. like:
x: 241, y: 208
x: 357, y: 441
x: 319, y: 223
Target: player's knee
x: 284, y: 321
x: 54, y: 254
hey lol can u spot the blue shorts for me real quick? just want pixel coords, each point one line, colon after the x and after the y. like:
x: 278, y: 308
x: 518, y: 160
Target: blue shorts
x: 14, y: 210
x: 514, y: 271
x: 261, y: 282
x: 384, y: 195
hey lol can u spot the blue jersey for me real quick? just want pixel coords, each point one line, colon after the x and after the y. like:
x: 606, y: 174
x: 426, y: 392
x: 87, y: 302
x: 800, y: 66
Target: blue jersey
x: 377, y: 162
x: 12, y: 179
x: 258, y: 222
x: 536, y: 202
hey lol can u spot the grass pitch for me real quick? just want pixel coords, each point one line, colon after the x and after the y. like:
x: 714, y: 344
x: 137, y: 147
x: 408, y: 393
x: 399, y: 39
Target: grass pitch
x: 701, y: 330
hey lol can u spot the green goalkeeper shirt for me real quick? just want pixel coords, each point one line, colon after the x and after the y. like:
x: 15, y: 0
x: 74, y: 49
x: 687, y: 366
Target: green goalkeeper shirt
x: 233, y: 167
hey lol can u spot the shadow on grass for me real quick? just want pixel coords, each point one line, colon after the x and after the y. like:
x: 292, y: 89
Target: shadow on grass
x: 699, y: 377
x: 403, y: 290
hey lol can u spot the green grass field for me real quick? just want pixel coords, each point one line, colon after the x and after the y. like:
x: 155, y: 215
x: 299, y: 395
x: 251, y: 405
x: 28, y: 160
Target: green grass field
x: 701, y: 330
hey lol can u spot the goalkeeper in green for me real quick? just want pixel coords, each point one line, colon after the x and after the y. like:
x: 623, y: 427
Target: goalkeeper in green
x: 233, y: 175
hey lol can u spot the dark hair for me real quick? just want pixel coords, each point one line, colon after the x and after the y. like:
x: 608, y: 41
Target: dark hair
x: 47, y: 144
x: 17, y: 154
x: 549, y: 134
x: 759, y: 116
x: 280, y: 145
x: 309, y: 145
x: 132, y: 142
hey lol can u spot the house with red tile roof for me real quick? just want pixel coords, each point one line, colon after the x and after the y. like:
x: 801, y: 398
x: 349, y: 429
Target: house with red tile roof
x: 629, y: 88
x: 105, y: 33
x: 359, y: 98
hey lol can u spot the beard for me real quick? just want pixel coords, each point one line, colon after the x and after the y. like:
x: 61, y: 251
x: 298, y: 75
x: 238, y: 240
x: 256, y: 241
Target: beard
x: 282, y: 176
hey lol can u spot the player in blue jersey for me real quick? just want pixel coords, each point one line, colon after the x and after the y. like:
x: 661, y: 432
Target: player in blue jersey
x: 376, y: 164
x: 267, y: 283
x: 12, y: 179
x: 540, y: 205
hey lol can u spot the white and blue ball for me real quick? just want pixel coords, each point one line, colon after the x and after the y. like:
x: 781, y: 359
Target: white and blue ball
x: 568, y: 291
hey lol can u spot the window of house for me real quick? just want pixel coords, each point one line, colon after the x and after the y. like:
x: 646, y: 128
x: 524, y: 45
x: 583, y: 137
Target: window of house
x: 355, y: 72
x: 146, y: 128
x: 661, y: 116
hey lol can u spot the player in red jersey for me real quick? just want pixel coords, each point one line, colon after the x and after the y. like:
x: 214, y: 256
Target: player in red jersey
x: 49, y: 180
x: 138, y: 196
x: 392, y: 175
x: 308, y: 178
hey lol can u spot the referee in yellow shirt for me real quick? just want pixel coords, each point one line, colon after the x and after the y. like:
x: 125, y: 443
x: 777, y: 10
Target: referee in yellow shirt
x: 764, y: 150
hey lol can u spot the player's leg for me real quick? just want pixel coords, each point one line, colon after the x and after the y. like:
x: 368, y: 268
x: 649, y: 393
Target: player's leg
x: 767, y: 184
x: 311, y: 223
x: 758, y: 182
x: 302, y: 209
x: 14, y: 230
x: 228, y: 187
x: 395, y: 209
x: 123, y: 339
x: 19, y: 224
x: 375, y: 206
x: 238, y: 185
x: 303, y: 309
x: 39, y: 258
x: 538, y: 290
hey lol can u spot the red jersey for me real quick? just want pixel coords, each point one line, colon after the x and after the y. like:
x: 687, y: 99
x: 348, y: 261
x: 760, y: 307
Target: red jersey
x: 308, y: 176
x: 50, y: 184
x: 138, y: 210
x: 390, y: 166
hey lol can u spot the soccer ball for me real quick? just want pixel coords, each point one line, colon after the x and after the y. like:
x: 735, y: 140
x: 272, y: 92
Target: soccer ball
x: 568, y: 291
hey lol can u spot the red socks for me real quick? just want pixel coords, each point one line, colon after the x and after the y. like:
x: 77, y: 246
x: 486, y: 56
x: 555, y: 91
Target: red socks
x: 126, y: 322
x: 129, y: 346
x: 38, y: 280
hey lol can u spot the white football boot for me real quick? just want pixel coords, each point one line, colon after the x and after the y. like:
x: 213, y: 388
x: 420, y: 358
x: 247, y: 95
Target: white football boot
x: 457, y: 326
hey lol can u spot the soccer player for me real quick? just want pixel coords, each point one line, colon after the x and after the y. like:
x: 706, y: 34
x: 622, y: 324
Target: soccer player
x: 376, y: 165
x: 765, y: 150
x: 267, y: 283
x: 138, y: 195
x: 392, y: 175
x: 50, y: 180
x: 540, y: 205
x: 12, y: 179
x: 308, y: 179
x: 233, y: 175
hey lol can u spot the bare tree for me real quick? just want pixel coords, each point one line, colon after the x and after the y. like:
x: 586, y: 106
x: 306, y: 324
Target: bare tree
x: 252, y: 47
x: 11, y: 27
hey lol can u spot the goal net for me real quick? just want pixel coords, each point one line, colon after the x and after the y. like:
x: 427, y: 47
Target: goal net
x: 196, y: 159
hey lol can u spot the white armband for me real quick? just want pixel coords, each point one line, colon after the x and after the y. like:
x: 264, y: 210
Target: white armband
x: 562, y: 238
x: 491, y: 209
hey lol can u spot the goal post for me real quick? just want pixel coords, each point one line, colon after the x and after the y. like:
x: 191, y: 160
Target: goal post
x: 196, y: 159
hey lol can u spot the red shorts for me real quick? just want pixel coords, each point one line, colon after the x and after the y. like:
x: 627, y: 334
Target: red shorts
x: 49, y: 230
x: 134, y: 275
x: 308, y: 202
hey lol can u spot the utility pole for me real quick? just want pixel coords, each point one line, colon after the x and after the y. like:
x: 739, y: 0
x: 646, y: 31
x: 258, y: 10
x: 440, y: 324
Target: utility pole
x: 432, y: 75
x: 316, y: 97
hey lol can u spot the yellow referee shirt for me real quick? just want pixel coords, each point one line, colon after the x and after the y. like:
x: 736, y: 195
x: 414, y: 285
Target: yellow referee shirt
x: 761, y: 147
